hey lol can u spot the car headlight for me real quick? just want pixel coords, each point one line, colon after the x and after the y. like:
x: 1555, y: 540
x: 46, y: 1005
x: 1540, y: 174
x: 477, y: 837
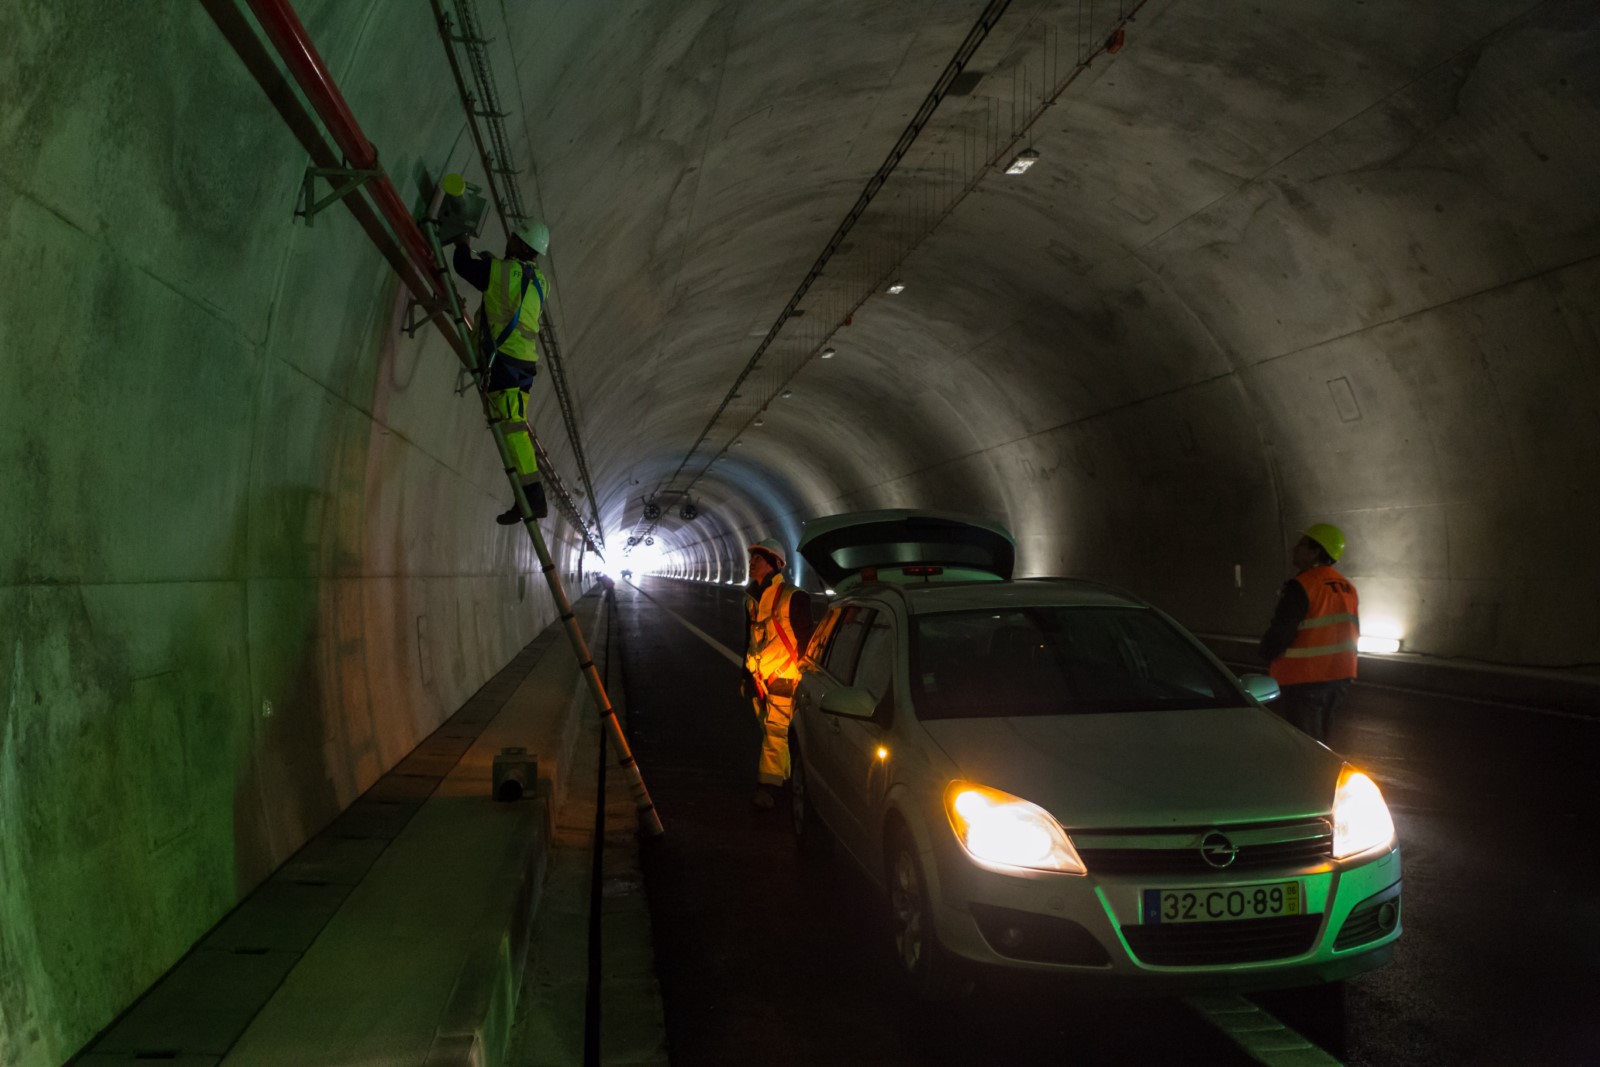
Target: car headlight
x: 1001, y: 832
x: 1361, y: 819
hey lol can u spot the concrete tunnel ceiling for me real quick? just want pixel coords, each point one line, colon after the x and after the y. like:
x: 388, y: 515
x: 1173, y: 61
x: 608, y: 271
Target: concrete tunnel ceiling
x: 1274, y: 264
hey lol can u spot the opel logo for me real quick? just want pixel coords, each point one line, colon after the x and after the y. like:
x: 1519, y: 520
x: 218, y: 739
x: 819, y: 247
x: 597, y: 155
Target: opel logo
x: 1217, y: 850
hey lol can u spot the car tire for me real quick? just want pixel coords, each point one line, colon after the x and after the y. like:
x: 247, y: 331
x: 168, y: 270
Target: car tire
x: 928, y: 970
x: 809, y: 831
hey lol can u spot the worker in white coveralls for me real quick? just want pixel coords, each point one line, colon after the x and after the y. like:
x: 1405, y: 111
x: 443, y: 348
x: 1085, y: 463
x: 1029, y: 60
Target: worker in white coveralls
x: 513, y: 291
x: 778, y: 628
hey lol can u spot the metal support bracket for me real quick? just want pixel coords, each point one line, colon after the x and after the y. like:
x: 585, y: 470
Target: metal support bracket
x: 414, y: 321
x: 308, y: 205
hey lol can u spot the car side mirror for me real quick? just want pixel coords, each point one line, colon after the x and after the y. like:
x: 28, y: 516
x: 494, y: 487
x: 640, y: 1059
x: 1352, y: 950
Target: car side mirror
x: 850, y: 702
x: 1263, y: 687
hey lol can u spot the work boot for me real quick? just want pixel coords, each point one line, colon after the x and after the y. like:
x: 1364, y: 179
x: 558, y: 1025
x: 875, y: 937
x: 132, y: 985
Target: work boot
x: 535, y: 494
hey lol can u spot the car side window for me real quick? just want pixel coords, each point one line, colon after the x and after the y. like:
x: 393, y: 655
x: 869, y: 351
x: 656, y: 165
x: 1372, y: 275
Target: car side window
x: 875, y: 668
x: 849, y: 634
x: 821, y: 635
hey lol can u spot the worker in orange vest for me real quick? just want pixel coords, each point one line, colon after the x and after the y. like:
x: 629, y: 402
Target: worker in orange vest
x: 777, y: 630
x: 1311, y: 642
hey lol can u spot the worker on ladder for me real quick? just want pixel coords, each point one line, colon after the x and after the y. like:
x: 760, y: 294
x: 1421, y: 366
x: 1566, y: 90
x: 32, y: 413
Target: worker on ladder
x: 507, y: 326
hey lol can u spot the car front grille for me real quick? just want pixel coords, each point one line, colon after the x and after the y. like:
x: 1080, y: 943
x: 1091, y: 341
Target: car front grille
x: 1294, y: 845
x: 1210, y: 944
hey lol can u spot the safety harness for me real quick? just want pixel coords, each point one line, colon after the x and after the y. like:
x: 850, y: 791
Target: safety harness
x: 529, y: 277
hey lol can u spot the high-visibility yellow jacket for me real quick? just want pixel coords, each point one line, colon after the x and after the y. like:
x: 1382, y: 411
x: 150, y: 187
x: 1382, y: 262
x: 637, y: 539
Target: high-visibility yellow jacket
x: 774, y: 650
x: 505, y: 330
x: 1324, y: 646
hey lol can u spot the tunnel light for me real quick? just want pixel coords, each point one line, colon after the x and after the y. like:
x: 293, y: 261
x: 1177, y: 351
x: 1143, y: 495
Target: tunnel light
x: 1379, y: 634
x: 827, y: 592
x: 829, y: 353
x: 740, y: 441
x: 1022, y: 161
x: 786, y: 394
x: 896, y: 288
x: 759, y: 421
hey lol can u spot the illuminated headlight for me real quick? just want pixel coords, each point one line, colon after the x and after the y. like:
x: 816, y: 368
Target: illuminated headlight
x: 1003, y: 832
x: 1361, y: 819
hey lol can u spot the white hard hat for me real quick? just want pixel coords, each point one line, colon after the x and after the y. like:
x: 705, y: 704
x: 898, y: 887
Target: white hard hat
x: 536, y: 235
x: 772, y: 548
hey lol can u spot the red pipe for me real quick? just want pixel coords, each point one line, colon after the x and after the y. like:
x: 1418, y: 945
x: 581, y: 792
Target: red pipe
x: 294, y: 46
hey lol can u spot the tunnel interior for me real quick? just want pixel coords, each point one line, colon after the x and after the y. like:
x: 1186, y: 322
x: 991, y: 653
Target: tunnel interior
x: 1272, y: 265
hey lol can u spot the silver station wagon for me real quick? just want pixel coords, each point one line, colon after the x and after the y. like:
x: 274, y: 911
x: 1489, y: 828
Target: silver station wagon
x: 1053, y: 776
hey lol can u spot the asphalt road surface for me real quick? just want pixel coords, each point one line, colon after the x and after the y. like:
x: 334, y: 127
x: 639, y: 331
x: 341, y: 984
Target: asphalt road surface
x: 770, y: 956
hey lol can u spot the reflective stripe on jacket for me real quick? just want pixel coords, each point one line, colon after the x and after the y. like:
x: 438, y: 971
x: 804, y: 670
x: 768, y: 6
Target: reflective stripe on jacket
x: 1324, y: 647
x: 500, y: 304
x: 774, y: 651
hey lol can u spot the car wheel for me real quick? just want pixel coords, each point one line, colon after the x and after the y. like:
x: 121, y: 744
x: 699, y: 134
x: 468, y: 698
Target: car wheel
x: 928, y: 970
x: 808, y: 829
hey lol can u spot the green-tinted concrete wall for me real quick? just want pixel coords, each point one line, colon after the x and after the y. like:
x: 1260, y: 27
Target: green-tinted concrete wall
x: 247, y: 557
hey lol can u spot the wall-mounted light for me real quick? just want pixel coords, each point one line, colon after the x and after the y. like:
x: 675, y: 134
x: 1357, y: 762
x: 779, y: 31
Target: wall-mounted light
x: 740, y: 441
x: 1024, y: 159
x: 828, y: 353
x: 759, y: 421
x: 786, y: 394
x: 896, y: 288
x: 1379, y: 634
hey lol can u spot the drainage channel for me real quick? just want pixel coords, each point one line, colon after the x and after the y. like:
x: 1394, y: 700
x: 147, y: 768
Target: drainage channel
x: 592, y: 1006
x: 591, y: 995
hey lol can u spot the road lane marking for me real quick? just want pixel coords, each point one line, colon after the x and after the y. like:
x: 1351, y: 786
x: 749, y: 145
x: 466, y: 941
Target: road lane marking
x: 1261, y: 1035
x: 722, y: 649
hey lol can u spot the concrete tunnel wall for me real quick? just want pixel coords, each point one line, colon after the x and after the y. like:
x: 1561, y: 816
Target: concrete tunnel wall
x: 247, y: 538
x: 1278, y: 265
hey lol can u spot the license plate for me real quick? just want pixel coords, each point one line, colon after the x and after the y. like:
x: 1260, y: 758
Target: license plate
x: 1266, y: 901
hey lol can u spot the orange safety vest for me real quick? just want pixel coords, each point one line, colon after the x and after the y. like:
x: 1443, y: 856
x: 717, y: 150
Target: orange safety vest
x: 1324, y: 649
x: 774, y: 651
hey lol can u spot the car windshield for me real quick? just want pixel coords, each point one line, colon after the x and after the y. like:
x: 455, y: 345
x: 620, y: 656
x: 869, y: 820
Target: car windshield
x: 1059, y: 661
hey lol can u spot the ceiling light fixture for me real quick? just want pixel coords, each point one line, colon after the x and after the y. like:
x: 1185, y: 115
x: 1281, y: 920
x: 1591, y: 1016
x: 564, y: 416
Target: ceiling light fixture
x: 896, y: 288
x: 1024, y: 159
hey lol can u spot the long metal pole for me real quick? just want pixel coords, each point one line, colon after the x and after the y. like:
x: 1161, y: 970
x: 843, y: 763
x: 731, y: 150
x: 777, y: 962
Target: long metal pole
x: 306, y: 67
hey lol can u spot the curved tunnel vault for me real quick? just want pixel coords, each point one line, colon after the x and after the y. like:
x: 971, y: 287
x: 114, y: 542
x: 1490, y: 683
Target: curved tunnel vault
x: 1275, y: 264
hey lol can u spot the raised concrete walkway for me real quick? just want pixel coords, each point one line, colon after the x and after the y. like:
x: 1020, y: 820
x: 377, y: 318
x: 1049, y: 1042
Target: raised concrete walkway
x: 401, y: 933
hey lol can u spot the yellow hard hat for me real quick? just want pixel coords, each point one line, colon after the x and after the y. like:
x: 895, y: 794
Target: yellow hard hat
x: 1330, y: 537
